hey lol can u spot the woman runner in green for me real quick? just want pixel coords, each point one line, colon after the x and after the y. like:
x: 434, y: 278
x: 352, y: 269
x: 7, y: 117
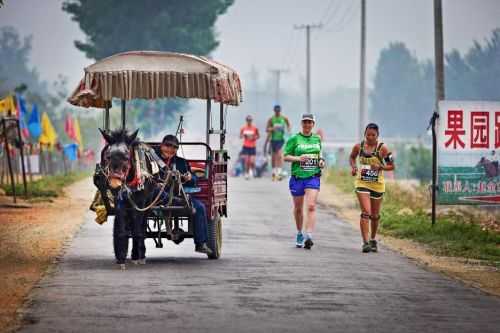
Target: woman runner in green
x: 304, y: 151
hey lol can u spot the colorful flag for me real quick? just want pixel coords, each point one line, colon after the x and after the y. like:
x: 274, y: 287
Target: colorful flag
x: 49, y: 135
x: 21, y: 115
x: 69, y: 127
x: 34, y: 123
x: 78, y: 135
x: 7, y: 104
x: 71, y: 151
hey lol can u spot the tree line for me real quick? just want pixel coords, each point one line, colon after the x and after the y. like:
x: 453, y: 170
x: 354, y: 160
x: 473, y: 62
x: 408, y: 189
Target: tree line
x: 402, y: 99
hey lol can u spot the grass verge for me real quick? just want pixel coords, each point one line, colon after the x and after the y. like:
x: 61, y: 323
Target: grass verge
x: 48, y: 186
x: 405, y: 214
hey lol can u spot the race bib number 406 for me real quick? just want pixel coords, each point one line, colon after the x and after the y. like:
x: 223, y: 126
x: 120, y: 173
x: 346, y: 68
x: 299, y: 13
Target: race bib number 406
x: 367, y: 174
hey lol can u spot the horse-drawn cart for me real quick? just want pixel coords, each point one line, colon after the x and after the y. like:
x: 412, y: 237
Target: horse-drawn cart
x: 154, y: 75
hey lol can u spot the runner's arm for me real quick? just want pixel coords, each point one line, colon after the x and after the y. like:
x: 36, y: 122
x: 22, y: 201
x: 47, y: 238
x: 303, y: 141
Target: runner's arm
x: 288, y: 151
x: 288, y: 126
x: 388, y: 159
x: 352, y: 158
x: 257, y: 134
x: 241, y: 133
x: 269, y: 126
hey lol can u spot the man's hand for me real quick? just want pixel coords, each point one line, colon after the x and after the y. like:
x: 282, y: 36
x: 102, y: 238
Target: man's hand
x: 303, y: 158
x: 187, y: 177
x: 354, y: 171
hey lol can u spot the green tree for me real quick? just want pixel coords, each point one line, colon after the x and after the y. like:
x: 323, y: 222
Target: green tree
x: 476, y: 75
x: 402, y: 99
x: 14, y: 68
x: 420, y: 163
x: 115, y: 26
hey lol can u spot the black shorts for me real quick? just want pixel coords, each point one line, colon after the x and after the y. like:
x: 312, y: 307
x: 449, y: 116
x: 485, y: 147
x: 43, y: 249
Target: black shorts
x: 373, y: 194
x: 276, y: 145
x: 249, y: 151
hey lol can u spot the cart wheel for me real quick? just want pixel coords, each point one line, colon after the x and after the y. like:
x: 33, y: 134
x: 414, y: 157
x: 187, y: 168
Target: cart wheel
x: 215, y: 237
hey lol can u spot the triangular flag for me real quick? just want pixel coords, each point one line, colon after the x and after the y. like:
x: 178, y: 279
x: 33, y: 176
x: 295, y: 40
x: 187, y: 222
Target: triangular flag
x: 69, y: 127
x: 7, y: 104
x: 78, y: 135
x: 21, y: 115
x: 49, y: 135
x: 71, y: 151
x: 34, y: 123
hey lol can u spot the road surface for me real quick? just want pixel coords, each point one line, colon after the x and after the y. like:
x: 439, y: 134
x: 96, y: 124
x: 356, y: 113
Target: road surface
x: 262, y: 283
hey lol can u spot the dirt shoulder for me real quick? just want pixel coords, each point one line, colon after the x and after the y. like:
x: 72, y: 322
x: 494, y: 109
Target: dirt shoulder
x: 470, y: 272
x: 31, y: 239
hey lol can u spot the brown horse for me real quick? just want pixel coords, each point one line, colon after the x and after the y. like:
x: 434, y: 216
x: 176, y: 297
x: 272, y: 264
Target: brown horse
x: 490, y: 168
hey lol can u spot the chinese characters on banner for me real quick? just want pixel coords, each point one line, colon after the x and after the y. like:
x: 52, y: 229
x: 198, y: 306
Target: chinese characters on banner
x: 468, y: 147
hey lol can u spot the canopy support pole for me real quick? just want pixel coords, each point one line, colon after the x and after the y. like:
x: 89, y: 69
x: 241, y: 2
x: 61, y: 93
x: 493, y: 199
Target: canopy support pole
x: 123, y: 114
x: 222, y: 131
x: 106, y: 118
x: 209, y: 115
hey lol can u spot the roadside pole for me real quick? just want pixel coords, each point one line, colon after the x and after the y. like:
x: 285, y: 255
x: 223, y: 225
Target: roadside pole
x: 439, y: 69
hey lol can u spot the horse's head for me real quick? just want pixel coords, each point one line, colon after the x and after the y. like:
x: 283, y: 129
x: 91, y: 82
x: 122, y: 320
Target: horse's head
x: 482, y: 162
x: 116, y: 157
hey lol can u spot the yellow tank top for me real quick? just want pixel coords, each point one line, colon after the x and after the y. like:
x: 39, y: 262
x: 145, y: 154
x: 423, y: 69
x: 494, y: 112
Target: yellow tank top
x: 367, y: 178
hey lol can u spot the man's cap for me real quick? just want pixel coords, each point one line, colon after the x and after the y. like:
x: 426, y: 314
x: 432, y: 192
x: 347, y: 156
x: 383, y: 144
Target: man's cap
x: 277, y: 107
x: 170, y: 140
x: 249, y: 118
x: 308, y: 116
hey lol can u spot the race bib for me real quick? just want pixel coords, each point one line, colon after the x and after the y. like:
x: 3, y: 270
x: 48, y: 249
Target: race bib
x: 279, y: 128
x: 367, y: 174
x: 310, y: 163
x: 249, y: 134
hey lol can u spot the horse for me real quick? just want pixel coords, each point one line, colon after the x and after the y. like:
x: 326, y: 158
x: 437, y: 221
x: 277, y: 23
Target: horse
x: 490, y: 168
x: 131, y: 188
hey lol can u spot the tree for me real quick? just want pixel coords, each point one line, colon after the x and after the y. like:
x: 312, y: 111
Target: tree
x: 14, y: 69
x: 402, y: 94
x: 476, y: 75
x: 115, y: 26
x: 420, y: 163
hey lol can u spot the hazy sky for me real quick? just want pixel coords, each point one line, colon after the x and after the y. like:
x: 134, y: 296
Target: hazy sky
x: 260, y: 33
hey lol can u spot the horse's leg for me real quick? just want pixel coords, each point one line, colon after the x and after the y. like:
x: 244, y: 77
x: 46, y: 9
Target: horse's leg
x: 135, y: 243
x: 138, y: 231
x: 120, y: 238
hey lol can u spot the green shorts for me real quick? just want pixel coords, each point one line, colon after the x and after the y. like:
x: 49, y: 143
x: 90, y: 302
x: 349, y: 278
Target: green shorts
x: 373, y: 194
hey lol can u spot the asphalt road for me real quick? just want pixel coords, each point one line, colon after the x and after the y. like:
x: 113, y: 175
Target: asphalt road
x: 262, y: 283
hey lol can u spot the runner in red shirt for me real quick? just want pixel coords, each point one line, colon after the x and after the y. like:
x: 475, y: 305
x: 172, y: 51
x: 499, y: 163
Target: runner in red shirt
x: 250, y: 134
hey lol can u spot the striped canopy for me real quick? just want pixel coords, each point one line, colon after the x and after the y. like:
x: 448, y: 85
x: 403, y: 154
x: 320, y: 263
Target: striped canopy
x: 151, y: 75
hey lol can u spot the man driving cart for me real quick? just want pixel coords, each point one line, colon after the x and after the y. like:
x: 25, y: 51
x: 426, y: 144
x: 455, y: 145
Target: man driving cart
x: 168, y: 153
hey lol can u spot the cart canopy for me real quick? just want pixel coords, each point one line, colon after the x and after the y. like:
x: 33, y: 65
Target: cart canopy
x: 152, y: 75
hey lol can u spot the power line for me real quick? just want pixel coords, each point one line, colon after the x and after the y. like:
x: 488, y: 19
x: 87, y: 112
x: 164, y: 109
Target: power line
x: 347, y: 18
x: 334, y: 13
x: 326, y: 12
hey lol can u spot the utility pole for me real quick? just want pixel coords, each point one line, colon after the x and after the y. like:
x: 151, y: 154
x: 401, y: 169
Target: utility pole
x: 439, y: 61
x: 362, y: 85
x: 308, y: 28
x: 438, y: 50
x: 277, y: 72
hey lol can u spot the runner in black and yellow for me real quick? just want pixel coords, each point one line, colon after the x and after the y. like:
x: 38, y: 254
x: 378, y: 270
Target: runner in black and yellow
x: 304, y: 151
x: 373, y: 159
